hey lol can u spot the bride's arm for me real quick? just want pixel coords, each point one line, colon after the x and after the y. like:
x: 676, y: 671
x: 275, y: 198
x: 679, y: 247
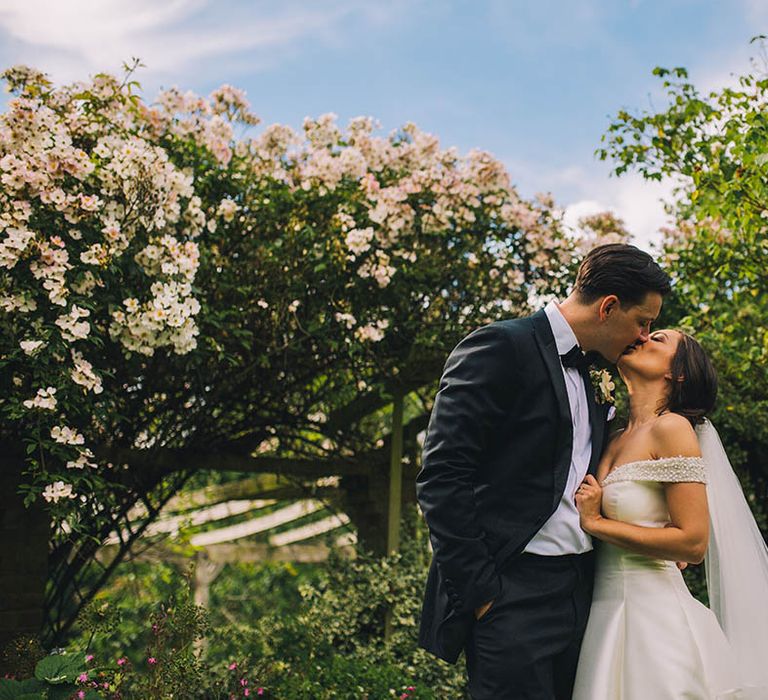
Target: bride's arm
x: 687, y: 535
x: 685, y: 539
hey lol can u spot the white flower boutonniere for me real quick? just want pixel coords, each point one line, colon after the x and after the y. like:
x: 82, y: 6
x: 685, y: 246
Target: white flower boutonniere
x: 603, y: 384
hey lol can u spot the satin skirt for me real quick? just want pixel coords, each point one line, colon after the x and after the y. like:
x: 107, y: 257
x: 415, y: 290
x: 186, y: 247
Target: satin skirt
x: 648, y: 638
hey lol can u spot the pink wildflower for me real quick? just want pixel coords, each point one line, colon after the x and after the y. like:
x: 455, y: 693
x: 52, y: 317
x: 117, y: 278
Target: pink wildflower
x: 80, y: 694
x: 121, y: 661
x: 88, y: 658
x: 246, y: 692
x: 82, y: 678
x: 243, y: 682
x: 260, y: 691
x: 151, y: 660
x: 232, y: 666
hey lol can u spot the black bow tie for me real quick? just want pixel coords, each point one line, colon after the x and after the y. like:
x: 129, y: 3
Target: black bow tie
x: 577, y: 359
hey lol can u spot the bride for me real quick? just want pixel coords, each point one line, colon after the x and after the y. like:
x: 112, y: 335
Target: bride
x: 665, y: 492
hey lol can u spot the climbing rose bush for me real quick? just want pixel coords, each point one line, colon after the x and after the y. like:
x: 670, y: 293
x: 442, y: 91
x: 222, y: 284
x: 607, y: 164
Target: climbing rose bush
x: 135, y: 230
x: 97, y: 246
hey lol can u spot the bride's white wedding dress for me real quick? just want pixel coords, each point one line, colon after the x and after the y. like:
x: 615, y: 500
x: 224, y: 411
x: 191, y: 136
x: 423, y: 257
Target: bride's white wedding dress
x: 648, y: 638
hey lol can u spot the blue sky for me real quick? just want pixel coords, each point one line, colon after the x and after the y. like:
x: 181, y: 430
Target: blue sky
x: 534, y: 82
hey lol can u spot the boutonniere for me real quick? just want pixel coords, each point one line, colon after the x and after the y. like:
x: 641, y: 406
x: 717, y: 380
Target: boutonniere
x: 602, y: 381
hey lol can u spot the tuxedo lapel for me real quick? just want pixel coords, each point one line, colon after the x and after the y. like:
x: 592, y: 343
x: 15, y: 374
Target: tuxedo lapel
x: 546, y: 342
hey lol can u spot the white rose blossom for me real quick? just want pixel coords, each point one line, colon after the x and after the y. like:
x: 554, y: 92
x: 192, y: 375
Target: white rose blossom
x: 72, y: 328
x: 227, y: 209
x: 347, y: 319
x: 83, y: 460
x: 66, y: 436
x: 84, y: 375
x: 44, y: 399
x: 54, y: 492
x: 373, y: 332
x: 30, y: 347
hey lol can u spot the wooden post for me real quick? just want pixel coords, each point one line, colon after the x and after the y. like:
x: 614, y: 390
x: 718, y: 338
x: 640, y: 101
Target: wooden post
x: 395, y: 477
x: 395, y: 492
x: 205, y: 573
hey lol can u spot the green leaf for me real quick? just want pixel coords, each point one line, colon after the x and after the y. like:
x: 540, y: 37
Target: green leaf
x: 60, y: 668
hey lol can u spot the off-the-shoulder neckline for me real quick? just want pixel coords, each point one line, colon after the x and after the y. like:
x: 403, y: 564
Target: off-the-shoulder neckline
x: 645, y: 461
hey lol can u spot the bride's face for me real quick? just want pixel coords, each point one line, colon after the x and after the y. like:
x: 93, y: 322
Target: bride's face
x: 653, y: 359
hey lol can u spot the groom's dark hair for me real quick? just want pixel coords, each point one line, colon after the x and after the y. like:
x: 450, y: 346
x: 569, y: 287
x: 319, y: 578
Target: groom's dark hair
x: 620, y: 269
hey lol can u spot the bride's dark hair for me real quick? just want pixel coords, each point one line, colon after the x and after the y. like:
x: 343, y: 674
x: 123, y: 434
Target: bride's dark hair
x: 694, y: 392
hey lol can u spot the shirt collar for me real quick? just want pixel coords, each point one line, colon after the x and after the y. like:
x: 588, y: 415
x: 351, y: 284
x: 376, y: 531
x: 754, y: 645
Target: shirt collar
x: 565, y: 338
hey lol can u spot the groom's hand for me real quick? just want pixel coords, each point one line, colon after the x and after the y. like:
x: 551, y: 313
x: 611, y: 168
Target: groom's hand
x: 480, y: 612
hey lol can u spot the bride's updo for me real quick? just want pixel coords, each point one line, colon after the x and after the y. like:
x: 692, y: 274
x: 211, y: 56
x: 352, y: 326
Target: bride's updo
x: 695, y: 393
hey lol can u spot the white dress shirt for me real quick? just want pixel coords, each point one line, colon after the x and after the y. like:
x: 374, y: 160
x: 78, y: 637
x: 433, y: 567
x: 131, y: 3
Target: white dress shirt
x: 562, y: 534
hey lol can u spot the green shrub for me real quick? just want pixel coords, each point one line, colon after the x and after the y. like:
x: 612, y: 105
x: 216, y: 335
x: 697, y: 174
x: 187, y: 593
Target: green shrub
x: 291, y: 633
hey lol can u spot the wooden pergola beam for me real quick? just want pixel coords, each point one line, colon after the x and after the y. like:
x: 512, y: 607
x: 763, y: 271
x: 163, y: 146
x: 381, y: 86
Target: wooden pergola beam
x: 168, y: 460
x: 248, y: 553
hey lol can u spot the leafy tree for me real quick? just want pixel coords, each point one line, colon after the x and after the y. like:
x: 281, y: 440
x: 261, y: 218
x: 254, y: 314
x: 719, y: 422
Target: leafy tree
x: 715, y: 148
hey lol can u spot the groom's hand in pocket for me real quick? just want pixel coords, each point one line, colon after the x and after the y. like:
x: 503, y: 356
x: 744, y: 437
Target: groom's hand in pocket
x: 483, y: 609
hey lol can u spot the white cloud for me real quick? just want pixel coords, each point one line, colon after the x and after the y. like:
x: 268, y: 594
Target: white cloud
x: 639, y: 203
x: 582, y: 191
x: 578, y: 210
x: 72, y: 38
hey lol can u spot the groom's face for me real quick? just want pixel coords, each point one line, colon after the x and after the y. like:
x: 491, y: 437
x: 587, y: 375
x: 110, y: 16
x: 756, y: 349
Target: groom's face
x: 628, y: 326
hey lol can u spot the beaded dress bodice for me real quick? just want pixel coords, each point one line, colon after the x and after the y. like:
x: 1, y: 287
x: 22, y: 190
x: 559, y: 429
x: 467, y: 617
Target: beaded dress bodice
x: 634, y: 493
x: 665, y: 469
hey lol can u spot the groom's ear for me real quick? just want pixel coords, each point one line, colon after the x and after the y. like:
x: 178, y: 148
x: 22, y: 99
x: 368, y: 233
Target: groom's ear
x: 608, y: 304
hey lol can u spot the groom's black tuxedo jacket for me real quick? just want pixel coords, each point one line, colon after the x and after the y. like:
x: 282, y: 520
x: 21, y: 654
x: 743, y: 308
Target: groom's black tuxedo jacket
x: 495, y: 463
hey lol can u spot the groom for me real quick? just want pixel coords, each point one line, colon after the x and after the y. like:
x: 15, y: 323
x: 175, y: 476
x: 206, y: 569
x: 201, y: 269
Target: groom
x: 515, y: 427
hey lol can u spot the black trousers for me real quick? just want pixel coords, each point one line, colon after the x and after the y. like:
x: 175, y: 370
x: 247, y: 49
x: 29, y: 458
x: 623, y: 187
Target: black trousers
x: 526, y: 646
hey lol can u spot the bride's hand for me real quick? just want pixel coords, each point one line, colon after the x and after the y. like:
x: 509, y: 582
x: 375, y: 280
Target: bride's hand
x: 589, y: 498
